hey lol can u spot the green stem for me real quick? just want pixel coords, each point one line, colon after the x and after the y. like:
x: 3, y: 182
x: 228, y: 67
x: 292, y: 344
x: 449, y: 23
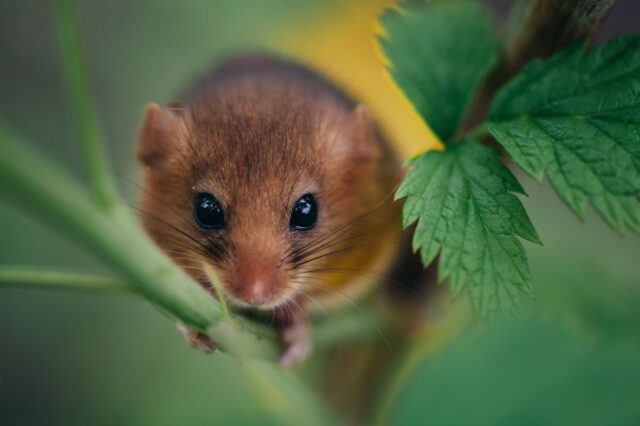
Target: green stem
x: 479, y: 132
x: 115, y: 236
x: 107, y: 228
x: 346, y: 325
x: 457, y: 318
x: 217, y: 287
x: 294, y: 402
x: 49, y: 279
x: 103, y: 188
x: 288, y: 400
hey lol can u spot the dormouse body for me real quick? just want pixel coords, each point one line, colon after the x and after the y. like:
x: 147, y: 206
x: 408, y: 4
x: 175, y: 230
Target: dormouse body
x: 276, y: 180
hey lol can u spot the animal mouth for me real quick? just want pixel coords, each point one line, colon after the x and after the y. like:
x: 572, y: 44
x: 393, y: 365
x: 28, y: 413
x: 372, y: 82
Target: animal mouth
x: 226, y: 298
x: 262, y: 305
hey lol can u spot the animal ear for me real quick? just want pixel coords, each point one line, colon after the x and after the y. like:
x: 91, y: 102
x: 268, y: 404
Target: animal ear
x: 357, y: 141
x: 159, y: 134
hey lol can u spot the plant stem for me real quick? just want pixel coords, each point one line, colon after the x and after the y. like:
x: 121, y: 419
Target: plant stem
x: 114, y: 236
x: 479, y: 132
x: 217, y: 287
x: 50, y: 279
x: 432, y: 338
x: 288, y: 400
x: 117, y: 238
x: 103, y: 188
x: 295, y: 402
x: 357, y: 324
x: 537, y: 29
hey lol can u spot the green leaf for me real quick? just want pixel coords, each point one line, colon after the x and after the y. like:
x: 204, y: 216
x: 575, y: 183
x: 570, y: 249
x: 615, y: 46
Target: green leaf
x: 576, y: 117
x: 463, y: 202
x: 438, y: 55
x: 525, y: 372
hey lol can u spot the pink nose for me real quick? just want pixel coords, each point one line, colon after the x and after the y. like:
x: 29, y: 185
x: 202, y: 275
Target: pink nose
x: 257, y: 292
x: 257, y: 277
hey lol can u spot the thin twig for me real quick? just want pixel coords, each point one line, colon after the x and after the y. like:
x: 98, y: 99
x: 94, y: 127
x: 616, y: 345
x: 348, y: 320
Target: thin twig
x: 23, y: 276
x: 537, y: 29
x: 88, y: 126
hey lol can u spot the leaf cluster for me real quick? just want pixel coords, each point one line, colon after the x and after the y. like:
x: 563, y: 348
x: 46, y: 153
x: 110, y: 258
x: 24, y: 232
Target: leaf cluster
x: 573, y: 117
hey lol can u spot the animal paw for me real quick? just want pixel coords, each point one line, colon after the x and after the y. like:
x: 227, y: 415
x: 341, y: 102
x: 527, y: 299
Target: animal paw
x: 296, y: 342
x: 196, y: 339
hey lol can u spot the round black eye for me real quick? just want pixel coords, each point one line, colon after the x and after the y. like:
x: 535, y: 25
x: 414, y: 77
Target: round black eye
x: 304, y: 214
x: 208, y: 212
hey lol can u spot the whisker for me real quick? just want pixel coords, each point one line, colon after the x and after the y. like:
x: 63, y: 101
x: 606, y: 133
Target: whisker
x: 301, y: 255
x: 299, y: 307
x: 382, y: 277
x: 356, y: 219
x: 215, y: 252
x: 338, y: 232
x: 313, y: 300
x: 215, y: 248
x: 147, y: 192
x: 353, y: 271
x: 324, y: 255
x: 356, y: 306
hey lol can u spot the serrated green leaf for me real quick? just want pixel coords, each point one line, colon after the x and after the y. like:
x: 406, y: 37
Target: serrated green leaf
x: 462, y: 200
x: 576, y: 118
x: 438, y: 56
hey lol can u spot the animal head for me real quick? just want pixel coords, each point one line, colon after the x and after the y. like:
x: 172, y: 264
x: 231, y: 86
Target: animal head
x: 266, y: 185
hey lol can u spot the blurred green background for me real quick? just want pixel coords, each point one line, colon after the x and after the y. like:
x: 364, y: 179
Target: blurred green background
x: 87, y: 359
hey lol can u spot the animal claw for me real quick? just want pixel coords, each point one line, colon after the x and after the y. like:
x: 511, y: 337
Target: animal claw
x: 196, y: 339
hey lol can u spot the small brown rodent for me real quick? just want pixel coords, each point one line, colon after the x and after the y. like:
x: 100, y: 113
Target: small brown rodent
x: 277, y: 180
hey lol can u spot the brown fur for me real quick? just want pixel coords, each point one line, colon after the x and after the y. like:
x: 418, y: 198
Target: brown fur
x: 257, y: 133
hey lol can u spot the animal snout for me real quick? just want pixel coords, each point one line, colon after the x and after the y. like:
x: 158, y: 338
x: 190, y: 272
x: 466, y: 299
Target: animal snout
x: 256, y: 285
x: 257, y: 291
x: 258, y: 278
